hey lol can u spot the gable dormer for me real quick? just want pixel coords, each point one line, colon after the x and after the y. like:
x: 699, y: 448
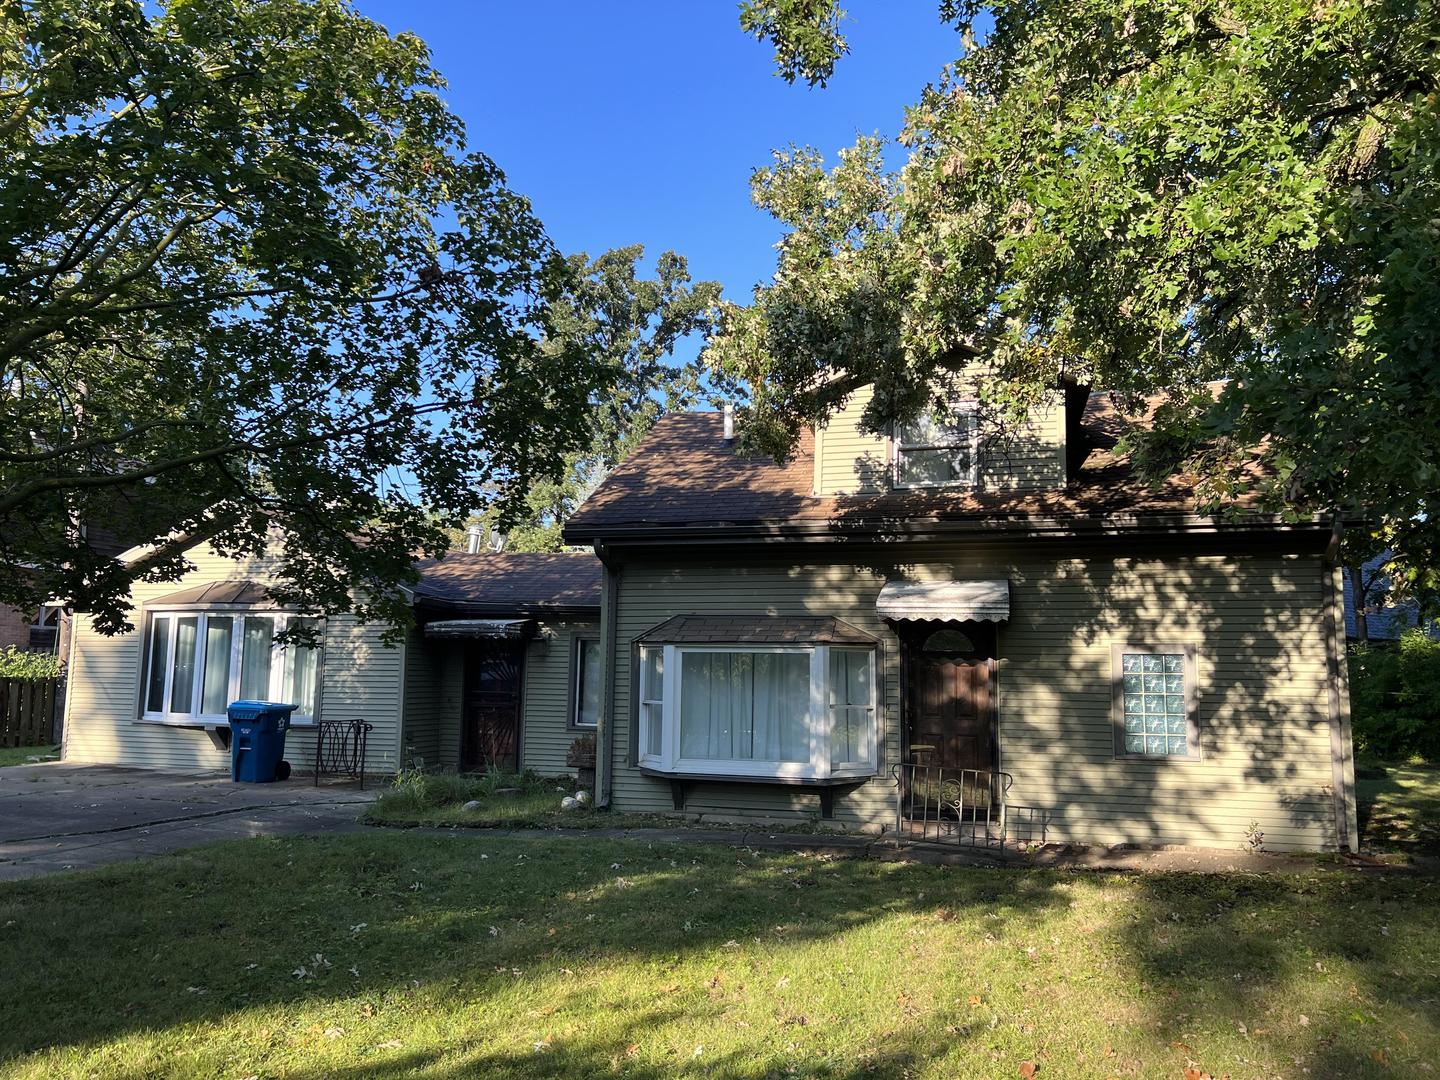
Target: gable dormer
x: 962, y: 451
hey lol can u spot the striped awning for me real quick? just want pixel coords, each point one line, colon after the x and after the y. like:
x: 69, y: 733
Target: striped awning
x: 944, y: 601
x: 513, y: 629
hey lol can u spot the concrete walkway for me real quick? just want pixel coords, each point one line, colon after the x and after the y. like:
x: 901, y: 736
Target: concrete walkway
x: 61, y: 816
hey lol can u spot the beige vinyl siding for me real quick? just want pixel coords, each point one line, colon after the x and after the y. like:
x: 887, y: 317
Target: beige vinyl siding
x: 451, y: 702
x: 549, y: 682
x: 1256, y: 623
x: 849, y: 462
x: 360, y: 677
x: 424, y: 672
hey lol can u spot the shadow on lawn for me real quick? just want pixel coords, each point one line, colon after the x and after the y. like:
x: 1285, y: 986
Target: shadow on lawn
x: 1205, y: 951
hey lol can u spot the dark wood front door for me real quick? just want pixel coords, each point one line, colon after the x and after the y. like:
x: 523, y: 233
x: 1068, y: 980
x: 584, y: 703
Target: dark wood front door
x: 490, y: 737
x: 952, y: 710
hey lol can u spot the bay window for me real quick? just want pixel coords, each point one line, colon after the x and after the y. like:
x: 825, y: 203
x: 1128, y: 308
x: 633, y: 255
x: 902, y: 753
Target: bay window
x: 799, y: 712
x: 198, y: 662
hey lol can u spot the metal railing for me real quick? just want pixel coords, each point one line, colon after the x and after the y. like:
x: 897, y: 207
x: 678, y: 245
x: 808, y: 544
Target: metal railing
x: 340, y: 747
x: 966, y: 807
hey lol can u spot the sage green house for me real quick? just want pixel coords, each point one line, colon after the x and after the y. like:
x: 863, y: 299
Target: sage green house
x: 950, y: 633
x: 496, y: 638
x: 825, y: 638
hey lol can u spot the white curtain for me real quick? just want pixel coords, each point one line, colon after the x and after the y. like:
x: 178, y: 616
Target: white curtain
x: 255, y: 658
x: 215, y: 685
x: 745, y: 706
x: 182, y: 689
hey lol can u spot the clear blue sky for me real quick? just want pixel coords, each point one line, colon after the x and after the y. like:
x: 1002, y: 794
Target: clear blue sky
x: 640, y: 121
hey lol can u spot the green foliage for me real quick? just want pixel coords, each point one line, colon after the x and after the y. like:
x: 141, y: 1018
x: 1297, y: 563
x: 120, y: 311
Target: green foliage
x: 630, y: 325
x: 1395, y: 699
x: 1147, y: 197
x: 805, y: 33
x: 15, y: 664
x: 253, y: 279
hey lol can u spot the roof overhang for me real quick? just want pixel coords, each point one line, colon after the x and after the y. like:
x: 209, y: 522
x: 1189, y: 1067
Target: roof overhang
x: 944, y: 601
x: 474, y: 629
x: 970, y: 531
x: 754, y: 630
x: 234, y: 593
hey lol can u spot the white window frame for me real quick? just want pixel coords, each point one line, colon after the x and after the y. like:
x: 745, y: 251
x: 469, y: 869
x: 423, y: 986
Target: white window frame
x: 820, y: 719
x: 276, y: 690
x: 969, y: 411
x: 577, y: 681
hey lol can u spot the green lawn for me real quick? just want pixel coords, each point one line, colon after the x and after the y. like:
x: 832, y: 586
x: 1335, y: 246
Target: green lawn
x: 22, y: 755
x: 1399, y: 805
x: 470, y: 954
x: 507, y: 802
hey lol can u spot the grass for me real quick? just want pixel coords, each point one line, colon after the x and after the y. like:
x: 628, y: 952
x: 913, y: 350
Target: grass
x: 24, y: 755
x: 505, y: 800
x: 472, y: 954
x: 1399, y: 805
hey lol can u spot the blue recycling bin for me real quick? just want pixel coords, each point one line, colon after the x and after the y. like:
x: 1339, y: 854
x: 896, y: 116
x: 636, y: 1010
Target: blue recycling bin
x: 257, y: 741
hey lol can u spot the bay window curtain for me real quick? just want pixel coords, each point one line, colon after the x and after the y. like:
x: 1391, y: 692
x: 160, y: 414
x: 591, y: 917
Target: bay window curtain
x: 215, y: 683
x: 255, y: 659
x: 745, y: 706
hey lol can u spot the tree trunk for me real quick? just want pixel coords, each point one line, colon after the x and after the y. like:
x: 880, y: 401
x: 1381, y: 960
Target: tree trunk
x: 1357, y: 600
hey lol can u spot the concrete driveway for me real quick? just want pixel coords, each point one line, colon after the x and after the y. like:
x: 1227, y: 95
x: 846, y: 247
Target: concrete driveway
x: 59, y: 816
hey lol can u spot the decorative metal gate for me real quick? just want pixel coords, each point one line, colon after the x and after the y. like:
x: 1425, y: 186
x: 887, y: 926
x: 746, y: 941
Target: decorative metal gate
x: 966, y: 807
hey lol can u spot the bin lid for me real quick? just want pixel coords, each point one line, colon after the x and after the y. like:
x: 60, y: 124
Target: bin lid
x: 251, y: 710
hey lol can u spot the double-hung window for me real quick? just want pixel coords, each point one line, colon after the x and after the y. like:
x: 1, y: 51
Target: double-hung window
x: 585, y: 684
x: 1154, y: 702
x: 939, y: 450
x: 801, y: 712
x: 198, y: 662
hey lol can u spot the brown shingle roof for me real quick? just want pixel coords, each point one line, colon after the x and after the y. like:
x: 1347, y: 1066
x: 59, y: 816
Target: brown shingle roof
x: 756, y: 629
x: 685, y: 476
x: 520, y: 583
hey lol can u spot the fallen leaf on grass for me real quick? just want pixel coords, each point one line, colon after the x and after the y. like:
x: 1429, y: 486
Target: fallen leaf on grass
x: 1380, y: 1057
x: 1028, y: 1070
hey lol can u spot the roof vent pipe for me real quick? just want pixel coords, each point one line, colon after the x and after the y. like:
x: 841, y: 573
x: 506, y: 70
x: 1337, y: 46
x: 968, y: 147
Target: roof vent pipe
x: 472, y: 539
x: 729, y: 421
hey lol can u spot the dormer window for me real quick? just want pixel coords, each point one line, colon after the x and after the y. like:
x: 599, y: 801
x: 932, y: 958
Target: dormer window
x: 938, y: 451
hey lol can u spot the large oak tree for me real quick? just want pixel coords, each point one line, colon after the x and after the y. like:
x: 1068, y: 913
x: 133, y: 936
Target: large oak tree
x: 1143, y: 195
x: 252, y: 282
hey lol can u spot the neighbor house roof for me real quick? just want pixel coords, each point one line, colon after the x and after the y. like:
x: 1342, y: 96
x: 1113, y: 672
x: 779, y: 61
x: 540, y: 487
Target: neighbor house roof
x: 512, y: 583
x: 686, y: 479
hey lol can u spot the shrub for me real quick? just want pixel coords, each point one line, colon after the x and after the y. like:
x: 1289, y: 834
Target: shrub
x: 15, y: 664
x: 417, y: 790
x: 1395, y: 699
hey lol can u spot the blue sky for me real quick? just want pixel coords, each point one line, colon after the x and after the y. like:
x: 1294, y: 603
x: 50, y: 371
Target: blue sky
x: 640, y: 121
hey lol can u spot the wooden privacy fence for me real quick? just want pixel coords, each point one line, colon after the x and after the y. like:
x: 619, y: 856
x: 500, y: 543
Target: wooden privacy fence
x: 27, y: 711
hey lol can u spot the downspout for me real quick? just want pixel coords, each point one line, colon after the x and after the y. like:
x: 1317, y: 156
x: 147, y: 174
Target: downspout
x: 1342, y: 756
x: 605, y: 742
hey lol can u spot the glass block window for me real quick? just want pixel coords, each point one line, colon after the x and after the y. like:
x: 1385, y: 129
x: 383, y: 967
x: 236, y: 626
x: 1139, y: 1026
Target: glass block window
x: 1153, y: 704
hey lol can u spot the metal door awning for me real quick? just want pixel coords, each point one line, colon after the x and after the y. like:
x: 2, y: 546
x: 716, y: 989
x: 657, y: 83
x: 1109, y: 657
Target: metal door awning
x: 504, y: 629
x: 945, y: 601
